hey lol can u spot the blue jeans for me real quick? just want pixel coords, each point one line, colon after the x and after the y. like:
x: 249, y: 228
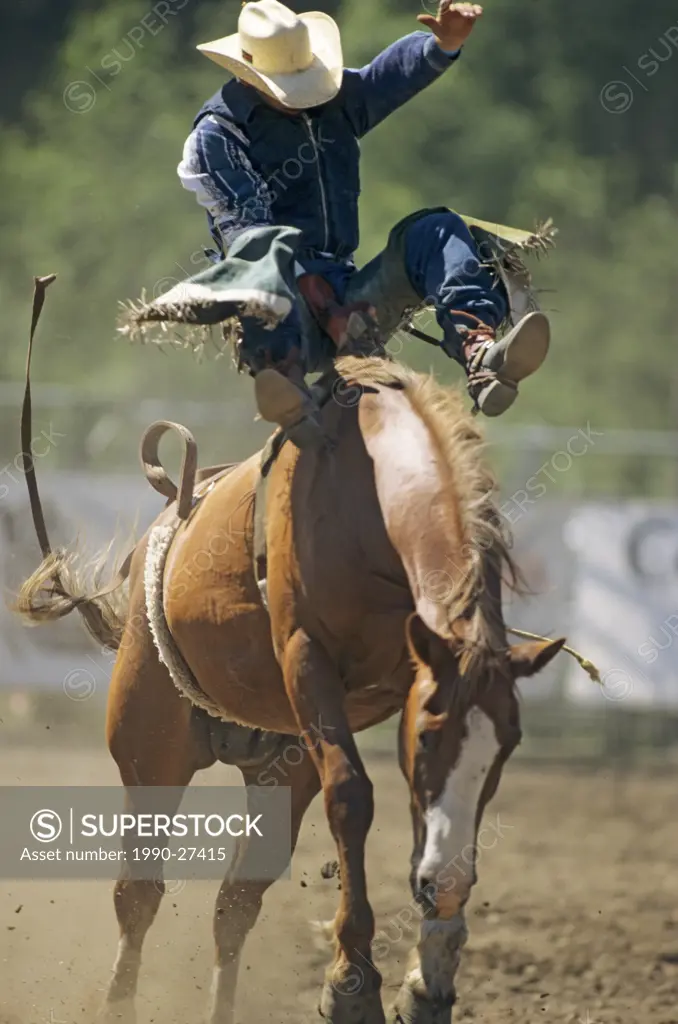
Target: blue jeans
x: 443, y: 267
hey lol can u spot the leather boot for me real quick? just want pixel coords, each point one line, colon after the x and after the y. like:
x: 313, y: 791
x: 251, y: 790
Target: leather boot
x: 495, y: 368
x: 283, y: 398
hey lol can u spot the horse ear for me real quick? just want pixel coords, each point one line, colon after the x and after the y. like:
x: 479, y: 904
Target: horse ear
x: 529, y: 658
x: 424, y: 645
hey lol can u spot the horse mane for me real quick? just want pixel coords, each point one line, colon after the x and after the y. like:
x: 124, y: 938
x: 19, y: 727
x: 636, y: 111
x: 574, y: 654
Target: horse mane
x: 476, y: 599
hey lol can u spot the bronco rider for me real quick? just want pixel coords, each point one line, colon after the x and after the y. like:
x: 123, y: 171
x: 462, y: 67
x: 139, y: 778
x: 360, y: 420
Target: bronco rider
x: 278, y: 146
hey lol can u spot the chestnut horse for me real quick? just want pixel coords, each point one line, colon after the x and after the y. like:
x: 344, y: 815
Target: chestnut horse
x: 385, y: 558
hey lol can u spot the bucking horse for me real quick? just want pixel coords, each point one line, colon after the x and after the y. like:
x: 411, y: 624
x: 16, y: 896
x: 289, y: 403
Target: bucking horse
x: 362, y: 581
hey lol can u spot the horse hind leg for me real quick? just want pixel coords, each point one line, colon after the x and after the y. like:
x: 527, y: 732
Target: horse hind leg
x: 154, y: 737
x: 240, y: 897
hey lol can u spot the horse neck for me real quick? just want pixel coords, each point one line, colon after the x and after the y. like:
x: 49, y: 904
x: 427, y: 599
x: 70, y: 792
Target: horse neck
x: 423, y: 515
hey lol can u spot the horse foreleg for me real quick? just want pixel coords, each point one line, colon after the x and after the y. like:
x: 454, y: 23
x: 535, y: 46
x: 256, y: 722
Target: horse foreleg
x: 351, y: 994
x: 240, y: 898
x: 428, y: 994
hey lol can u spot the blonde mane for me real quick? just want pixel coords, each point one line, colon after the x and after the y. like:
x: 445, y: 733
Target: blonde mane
x: 477, y: 598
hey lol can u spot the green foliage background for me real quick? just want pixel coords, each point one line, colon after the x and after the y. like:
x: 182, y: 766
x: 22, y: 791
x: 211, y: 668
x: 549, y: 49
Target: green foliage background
x: 518, y: 131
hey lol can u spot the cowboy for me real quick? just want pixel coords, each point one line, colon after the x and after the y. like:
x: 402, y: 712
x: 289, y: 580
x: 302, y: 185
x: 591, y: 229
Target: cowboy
x: 278, y: 145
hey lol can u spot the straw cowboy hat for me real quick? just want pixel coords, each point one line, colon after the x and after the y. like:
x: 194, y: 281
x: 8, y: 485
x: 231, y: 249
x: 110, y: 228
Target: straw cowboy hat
x: 296, y: 59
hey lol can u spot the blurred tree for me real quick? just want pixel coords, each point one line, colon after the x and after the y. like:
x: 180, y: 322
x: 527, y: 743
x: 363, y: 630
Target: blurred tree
x: 39, y: 28
x: 553, y: 110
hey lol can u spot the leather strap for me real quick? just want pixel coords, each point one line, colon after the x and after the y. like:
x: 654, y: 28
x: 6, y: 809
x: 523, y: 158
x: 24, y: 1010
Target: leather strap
x: 156, y: 473
x: 37, y: 512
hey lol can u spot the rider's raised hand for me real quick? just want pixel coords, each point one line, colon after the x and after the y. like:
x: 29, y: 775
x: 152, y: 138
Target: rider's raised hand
x: 453, y: 23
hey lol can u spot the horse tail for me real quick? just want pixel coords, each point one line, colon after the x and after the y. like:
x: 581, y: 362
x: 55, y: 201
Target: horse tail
x: 58, y: 586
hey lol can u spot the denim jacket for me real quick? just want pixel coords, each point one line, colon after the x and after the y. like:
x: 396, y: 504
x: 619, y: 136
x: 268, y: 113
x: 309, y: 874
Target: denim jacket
x: 250, y: 165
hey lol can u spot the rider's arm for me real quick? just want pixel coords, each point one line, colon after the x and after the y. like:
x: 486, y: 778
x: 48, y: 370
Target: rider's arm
x: 391, y: 79
x: 217, y: 168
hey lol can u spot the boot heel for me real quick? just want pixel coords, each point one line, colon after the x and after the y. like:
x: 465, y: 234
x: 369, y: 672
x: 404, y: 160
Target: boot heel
x: 278, y: 399
x: 496, y: 398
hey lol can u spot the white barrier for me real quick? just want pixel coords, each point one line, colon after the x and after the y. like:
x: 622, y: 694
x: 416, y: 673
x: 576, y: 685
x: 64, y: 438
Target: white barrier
x: 625, y: 602
x: 604, y: 575
x: 548, y: 569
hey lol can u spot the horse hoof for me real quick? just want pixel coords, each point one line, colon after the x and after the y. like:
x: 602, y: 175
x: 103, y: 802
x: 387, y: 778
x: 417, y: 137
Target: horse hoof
x: 411, y: 1008
x: 120, y: 1011
x: 346, y: 1002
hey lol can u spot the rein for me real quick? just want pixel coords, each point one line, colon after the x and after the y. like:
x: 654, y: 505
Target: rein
x: 37, y: 512
x: 41, y: 285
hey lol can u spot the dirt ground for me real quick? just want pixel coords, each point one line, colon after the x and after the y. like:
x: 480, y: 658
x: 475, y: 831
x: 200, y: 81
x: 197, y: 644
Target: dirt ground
x: 575, y: 917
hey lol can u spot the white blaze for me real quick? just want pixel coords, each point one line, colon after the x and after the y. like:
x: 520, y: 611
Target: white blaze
x: 448, y: 859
